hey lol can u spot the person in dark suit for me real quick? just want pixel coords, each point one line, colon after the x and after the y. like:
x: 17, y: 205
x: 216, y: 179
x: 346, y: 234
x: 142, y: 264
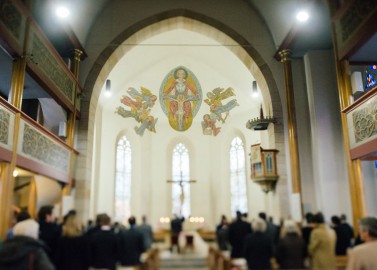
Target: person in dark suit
x: 258, y: 248
x: 103, y: 245
x: 238, y: 230
x: 49, y: 231
x: 343, y: 237
x: 131, y: 245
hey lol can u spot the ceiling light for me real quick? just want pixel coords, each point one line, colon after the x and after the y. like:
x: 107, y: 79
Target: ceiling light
x: 302, y: 16
x: 108, y: 88
x: 62, y: 12
x: 15, y: 173
x: 254, y: 92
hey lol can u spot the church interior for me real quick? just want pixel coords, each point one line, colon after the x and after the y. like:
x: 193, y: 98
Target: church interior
x: 188, y: 108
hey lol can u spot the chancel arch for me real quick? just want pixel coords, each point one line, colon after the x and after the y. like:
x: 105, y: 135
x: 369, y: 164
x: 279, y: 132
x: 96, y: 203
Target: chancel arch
x: 135, y: 74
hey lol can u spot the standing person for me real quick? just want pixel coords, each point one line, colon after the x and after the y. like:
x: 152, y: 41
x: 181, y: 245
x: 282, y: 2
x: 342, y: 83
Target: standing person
x: 364, y: 256
x: 23, y: 250
x: 176, y: 228
x: 131, y: 245
x: 103, y: 245
x: 343, y: 238
x: 307, y: 228
x: 258, y: 249
x: 238, y: 230
x: 222, y: 233
x: 147, y: 232
x: 291, y: 248
x: 71, y: 251
x: 49, y: 231
x: 348, y: 228
x: 21, y: 216
x: 322, y: 245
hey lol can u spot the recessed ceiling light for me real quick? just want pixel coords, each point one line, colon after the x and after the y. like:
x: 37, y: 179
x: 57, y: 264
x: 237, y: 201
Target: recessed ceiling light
x: 302, y: 16
x: 62, y: 12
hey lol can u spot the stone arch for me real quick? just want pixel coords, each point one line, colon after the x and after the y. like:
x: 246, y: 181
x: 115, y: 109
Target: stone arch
x: 176, y: 19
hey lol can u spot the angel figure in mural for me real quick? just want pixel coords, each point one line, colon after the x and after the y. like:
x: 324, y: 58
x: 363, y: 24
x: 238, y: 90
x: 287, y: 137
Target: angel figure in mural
x: 140, y: 107
x: 217, y: 108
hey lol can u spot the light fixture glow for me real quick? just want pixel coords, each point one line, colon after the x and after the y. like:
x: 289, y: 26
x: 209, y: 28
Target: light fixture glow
x: 15, y: 173
x: 62, y: 12
x: 108, y: 88
x: 254, y: 92
x: 302, y: 16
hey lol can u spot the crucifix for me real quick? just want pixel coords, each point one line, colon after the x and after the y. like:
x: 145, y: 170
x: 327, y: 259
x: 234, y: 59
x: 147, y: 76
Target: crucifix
x: 181, y: 181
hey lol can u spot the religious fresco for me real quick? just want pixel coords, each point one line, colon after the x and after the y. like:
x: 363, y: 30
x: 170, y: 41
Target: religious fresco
x: 180, y: 97
x: 215, y: 100
x: 140, y: 104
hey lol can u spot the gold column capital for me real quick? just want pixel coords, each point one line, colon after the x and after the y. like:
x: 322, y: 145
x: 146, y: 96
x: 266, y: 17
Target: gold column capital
x: 77, y: 54
x: 285, y: 55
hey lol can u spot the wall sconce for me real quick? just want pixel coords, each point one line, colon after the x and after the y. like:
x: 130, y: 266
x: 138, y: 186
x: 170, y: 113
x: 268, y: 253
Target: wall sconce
x: 254, y: 92
x: 108, y: 88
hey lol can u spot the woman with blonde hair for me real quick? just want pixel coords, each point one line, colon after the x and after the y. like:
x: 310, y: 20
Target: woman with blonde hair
x: 71, y: 253
x: 291, y: 249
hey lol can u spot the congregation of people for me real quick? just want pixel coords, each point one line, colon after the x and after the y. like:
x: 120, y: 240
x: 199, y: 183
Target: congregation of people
x: 312, y: 245
x: 46, y: 245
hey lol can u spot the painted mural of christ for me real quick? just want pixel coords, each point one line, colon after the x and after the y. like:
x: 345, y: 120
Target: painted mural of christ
x: 180, y: 97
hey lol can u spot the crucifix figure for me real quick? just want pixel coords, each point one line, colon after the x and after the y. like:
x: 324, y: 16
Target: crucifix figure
x: 181, y: 181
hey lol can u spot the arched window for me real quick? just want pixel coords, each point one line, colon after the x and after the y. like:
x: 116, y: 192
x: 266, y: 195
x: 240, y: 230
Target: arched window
x: 238, y: 176
x: 123, y: 180
x: 181, y: 176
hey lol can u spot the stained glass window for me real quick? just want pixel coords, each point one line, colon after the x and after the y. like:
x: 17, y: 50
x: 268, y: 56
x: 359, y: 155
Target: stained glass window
x: 123, y: 181
x: 181, y: 176
x: 238, y: 176
x: 370, y: 77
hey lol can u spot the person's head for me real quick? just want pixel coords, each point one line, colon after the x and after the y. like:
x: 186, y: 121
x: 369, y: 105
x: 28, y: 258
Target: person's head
x: 343, y: 218
x: 144, y: 219
x: 335, y: 220
x: 103, y: 220
x: 262, y: 215
x: 28, y: 227
x: 46, y: 214
x: 238, y: 215
x: 132, y: 220
x: 290, y: 226
x: 23, y: 215
x: 309, y: 217
x: 71, y: 227
x: 180, y: 73
x: 318, y: 218
x: 368, y: 229
x: 259, y: 225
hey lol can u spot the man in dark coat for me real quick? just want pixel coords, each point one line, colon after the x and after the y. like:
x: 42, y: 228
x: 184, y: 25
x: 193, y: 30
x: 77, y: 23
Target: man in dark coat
x: 24, y: 251
x: 103, y: 245
x: 131, y: 245
x: 238, y: 230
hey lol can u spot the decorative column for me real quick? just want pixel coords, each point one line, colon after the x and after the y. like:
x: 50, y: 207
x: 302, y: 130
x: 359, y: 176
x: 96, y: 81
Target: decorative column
x: 292, y: 128
x: 355, y: 176
x: 71, y: 122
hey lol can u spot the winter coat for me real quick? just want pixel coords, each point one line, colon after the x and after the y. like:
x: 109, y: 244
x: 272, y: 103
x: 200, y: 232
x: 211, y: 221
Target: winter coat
x: 24, y: 253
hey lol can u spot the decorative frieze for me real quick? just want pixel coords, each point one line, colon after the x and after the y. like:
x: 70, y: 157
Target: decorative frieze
x: 52, y: 69
x: 11, y: 18
x: 4, y: 126
x: 37, y: 146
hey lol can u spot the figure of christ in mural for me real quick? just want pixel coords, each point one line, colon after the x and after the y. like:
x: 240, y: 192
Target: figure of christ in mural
x: 181, y: 97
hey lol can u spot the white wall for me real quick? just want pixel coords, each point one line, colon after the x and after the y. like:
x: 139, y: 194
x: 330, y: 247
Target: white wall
x: 370, y: 186
x: 329, y: 167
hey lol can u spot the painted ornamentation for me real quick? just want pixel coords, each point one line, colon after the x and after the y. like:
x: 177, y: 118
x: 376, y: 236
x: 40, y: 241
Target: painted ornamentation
x: 215, y: 100
x: 4, y: 126
x: 180, y: 97
x: 140, y: 104
x: 365, y: 122
x: 41, y: 148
